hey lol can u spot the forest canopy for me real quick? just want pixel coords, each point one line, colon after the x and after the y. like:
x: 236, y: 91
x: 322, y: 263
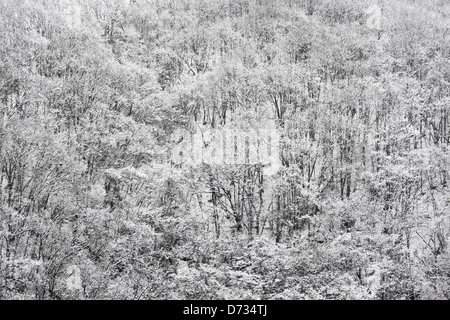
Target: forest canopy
x: 96, y: 96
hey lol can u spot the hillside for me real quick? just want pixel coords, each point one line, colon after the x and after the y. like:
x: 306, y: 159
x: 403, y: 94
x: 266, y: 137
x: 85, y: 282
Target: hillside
x: 102, y: 195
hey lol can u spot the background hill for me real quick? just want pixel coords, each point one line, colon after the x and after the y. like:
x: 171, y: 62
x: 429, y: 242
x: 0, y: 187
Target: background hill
x: 92, y: 92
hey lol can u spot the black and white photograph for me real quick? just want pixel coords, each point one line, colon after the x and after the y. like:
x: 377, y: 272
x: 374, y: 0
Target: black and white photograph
x: 224, y: 150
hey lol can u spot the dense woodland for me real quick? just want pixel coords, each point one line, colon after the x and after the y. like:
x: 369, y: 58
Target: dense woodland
x: 93, y: 207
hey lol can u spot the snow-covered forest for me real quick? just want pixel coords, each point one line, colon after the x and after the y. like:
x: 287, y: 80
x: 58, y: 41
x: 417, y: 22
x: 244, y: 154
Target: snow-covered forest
x: 101, y: 102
